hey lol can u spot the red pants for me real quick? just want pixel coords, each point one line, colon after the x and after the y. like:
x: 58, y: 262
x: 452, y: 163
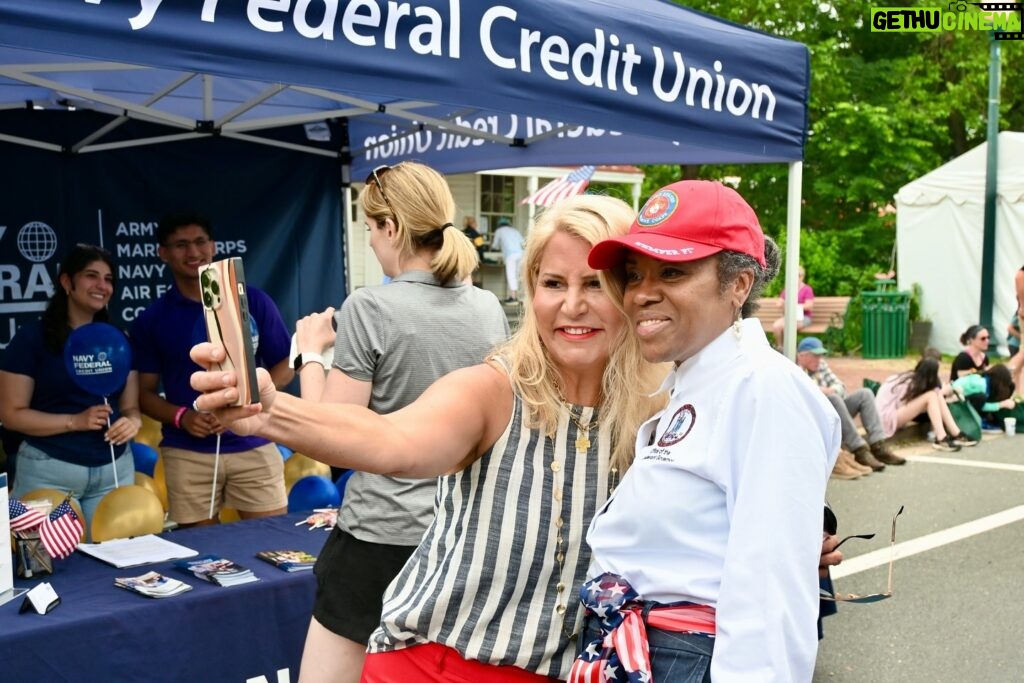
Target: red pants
x: 434, y: 663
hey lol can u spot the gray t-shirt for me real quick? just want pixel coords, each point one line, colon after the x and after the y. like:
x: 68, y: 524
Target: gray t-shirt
x: 403, y: 336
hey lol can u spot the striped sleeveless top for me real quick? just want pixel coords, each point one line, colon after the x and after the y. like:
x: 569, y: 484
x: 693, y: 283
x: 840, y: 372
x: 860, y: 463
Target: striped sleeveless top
x: 484, y: 578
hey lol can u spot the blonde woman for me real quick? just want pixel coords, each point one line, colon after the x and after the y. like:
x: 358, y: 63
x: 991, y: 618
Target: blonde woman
x: 527, y: 444
x: 393, y: 341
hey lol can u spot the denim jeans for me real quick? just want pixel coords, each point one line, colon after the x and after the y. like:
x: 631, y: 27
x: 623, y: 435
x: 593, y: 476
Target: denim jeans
x: 675, y: 657
x: 37, y: 470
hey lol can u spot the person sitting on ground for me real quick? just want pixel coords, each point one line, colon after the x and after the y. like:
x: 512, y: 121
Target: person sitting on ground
x: 974, y: 357
x: 988, y: 391
x: 804, y: 302
x: 903, y: 397
x: 874, y: 452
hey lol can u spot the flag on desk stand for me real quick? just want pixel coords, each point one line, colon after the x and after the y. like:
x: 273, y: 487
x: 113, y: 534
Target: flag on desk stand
x: 61, y: 531
x: 23, y: 518
x: 561, y: 188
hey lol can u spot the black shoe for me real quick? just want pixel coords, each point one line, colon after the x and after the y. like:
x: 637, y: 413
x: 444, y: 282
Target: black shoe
x: 946, y: 445
x: 963, y: 440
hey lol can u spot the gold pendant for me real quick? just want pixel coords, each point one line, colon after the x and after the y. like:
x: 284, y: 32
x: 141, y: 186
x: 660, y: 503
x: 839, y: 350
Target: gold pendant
x: 582, y: 443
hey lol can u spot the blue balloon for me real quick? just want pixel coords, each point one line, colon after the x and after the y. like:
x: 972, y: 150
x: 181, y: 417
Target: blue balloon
x: 98, y: 358
x: 145, y: 457
x: 285, y: 452
x: 342, y: 480
x: 312, y: 492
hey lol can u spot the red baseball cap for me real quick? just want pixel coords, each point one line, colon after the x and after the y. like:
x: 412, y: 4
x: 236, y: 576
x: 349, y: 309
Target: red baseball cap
x: 686, y: 221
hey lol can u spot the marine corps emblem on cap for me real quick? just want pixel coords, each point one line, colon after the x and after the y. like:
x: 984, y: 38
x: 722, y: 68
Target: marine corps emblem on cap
x: 658, y: 208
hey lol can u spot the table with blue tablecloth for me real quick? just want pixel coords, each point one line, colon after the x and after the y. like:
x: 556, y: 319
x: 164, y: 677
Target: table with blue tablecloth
x: 211, y: 633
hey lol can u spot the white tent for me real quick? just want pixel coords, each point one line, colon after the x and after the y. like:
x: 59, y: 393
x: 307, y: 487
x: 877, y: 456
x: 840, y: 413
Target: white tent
x: 939, y: 229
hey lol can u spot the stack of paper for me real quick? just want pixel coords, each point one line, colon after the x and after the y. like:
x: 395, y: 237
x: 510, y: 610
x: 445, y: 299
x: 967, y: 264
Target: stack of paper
x: 218, y: 570
x: 132, y: 552
x: 152, y: 585
x: 288, y: 560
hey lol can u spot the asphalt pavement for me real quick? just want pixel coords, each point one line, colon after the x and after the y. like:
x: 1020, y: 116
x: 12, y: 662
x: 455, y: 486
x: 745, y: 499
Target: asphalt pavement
x: 957, y: 610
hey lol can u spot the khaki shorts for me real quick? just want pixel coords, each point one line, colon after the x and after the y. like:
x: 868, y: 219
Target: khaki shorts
x: 248, y: 481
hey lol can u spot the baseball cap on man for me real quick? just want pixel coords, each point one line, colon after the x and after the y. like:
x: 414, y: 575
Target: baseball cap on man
x: 811, y: 345
x: 686, y: 221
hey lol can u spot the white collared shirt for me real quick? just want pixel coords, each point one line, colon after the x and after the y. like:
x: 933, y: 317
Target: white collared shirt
x: 723, y: 505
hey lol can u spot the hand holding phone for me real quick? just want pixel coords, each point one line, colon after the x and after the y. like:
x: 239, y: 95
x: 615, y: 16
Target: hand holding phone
x: 226, y: 312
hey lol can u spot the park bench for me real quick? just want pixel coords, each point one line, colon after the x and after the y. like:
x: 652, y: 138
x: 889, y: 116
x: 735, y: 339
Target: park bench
x: 826, y: 312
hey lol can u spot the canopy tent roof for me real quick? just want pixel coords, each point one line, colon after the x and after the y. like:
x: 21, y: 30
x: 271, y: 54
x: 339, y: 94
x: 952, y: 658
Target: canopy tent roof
x: 962, y: 180
x: 940, y: 236
x: 662, y: 84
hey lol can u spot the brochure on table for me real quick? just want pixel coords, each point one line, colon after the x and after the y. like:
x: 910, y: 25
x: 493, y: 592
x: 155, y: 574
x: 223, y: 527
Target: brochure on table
x: 7, y: 591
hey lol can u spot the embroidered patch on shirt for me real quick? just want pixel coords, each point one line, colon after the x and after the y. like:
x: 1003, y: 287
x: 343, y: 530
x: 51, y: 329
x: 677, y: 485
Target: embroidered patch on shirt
x: 679, y: 426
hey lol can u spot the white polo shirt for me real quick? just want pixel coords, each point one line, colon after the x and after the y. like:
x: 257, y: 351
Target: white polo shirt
x: 723, y: 505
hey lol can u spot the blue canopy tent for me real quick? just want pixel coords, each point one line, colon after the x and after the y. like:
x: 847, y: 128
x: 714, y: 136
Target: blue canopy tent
x: 463, y: 86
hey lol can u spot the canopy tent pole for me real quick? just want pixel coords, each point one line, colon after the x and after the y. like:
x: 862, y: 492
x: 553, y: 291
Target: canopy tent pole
x: 796, y: 174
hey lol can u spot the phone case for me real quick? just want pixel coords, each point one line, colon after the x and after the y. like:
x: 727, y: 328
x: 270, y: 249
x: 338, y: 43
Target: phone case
x: 226, y: 310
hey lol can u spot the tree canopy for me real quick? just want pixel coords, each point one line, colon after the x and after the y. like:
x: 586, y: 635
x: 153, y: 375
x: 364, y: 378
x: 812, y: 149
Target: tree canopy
x: 885, y: 108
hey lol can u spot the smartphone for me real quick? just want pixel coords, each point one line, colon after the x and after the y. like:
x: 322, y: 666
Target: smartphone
x: 226, y: 310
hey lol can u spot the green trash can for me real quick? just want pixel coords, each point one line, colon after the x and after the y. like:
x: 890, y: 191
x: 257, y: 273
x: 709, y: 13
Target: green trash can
x: 886, y: 321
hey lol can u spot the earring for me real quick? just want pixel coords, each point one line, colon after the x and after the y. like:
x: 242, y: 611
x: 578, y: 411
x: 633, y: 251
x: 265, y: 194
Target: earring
x: 737, y: 328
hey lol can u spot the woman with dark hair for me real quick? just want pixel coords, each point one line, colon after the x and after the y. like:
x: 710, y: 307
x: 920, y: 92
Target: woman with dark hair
x: 903, y: 397
x: 988, y: 391
x: 974, y: 357
x: 67, y: 439
x: 706, y: 551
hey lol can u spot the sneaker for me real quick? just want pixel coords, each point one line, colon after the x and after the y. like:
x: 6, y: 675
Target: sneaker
x: 946, y: 445
x: 882, y: 453
x: 963, y: 441
x: 863, y: 457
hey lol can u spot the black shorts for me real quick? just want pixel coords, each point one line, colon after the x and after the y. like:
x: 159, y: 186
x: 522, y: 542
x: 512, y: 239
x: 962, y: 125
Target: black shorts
x: 351, y: 577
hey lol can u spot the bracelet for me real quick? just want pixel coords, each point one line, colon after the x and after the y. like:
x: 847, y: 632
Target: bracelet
x: 178, y: 415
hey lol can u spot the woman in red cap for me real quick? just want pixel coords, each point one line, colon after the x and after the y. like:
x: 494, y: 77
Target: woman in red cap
x: 710, y: 535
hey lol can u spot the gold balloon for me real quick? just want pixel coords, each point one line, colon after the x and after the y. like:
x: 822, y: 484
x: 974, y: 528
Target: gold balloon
x: 127, y: 511
x: 160, y: 481
x: 56, y: 497
x: 149, y: 433
x: 145, y: 481
x: 228, y: 515
x: 299, y: 466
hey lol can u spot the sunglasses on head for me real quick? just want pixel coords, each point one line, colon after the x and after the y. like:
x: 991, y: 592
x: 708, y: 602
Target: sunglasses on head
x: 873, y: 597
x: 374, y: 177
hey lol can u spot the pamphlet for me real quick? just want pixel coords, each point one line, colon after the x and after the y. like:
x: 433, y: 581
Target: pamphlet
x: 218, y: 570
x: 288, y: 560
x: 152, y: 585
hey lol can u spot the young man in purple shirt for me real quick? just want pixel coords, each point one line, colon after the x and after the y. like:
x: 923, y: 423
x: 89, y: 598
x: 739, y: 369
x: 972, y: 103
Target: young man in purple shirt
x: 250, y: 472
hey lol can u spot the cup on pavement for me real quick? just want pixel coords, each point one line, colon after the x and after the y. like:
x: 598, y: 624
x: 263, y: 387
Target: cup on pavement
x: 1010, y: 425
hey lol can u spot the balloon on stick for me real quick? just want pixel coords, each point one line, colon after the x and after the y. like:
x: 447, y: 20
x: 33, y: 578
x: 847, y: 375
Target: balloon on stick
x: 145, y: 457
x: 98, y: 358
x: 299, y: 466
x: 312, y: 492
x: 125, y: 512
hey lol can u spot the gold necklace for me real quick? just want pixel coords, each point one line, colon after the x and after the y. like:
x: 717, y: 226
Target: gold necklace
x: 557, y: 484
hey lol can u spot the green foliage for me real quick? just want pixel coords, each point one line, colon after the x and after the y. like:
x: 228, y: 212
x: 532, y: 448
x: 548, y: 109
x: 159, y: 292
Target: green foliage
x: 884, y: 109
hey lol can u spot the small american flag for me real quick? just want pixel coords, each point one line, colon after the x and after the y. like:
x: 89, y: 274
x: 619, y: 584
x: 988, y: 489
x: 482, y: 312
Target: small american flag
x: 23, y: 518
x: 61, y: 532
x: 567, y: 186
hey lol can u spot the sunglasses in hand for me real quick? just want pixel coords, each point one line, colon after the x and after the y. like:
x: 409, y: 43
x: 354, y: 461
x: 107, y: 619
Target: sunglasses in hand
x: 873, y: 597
